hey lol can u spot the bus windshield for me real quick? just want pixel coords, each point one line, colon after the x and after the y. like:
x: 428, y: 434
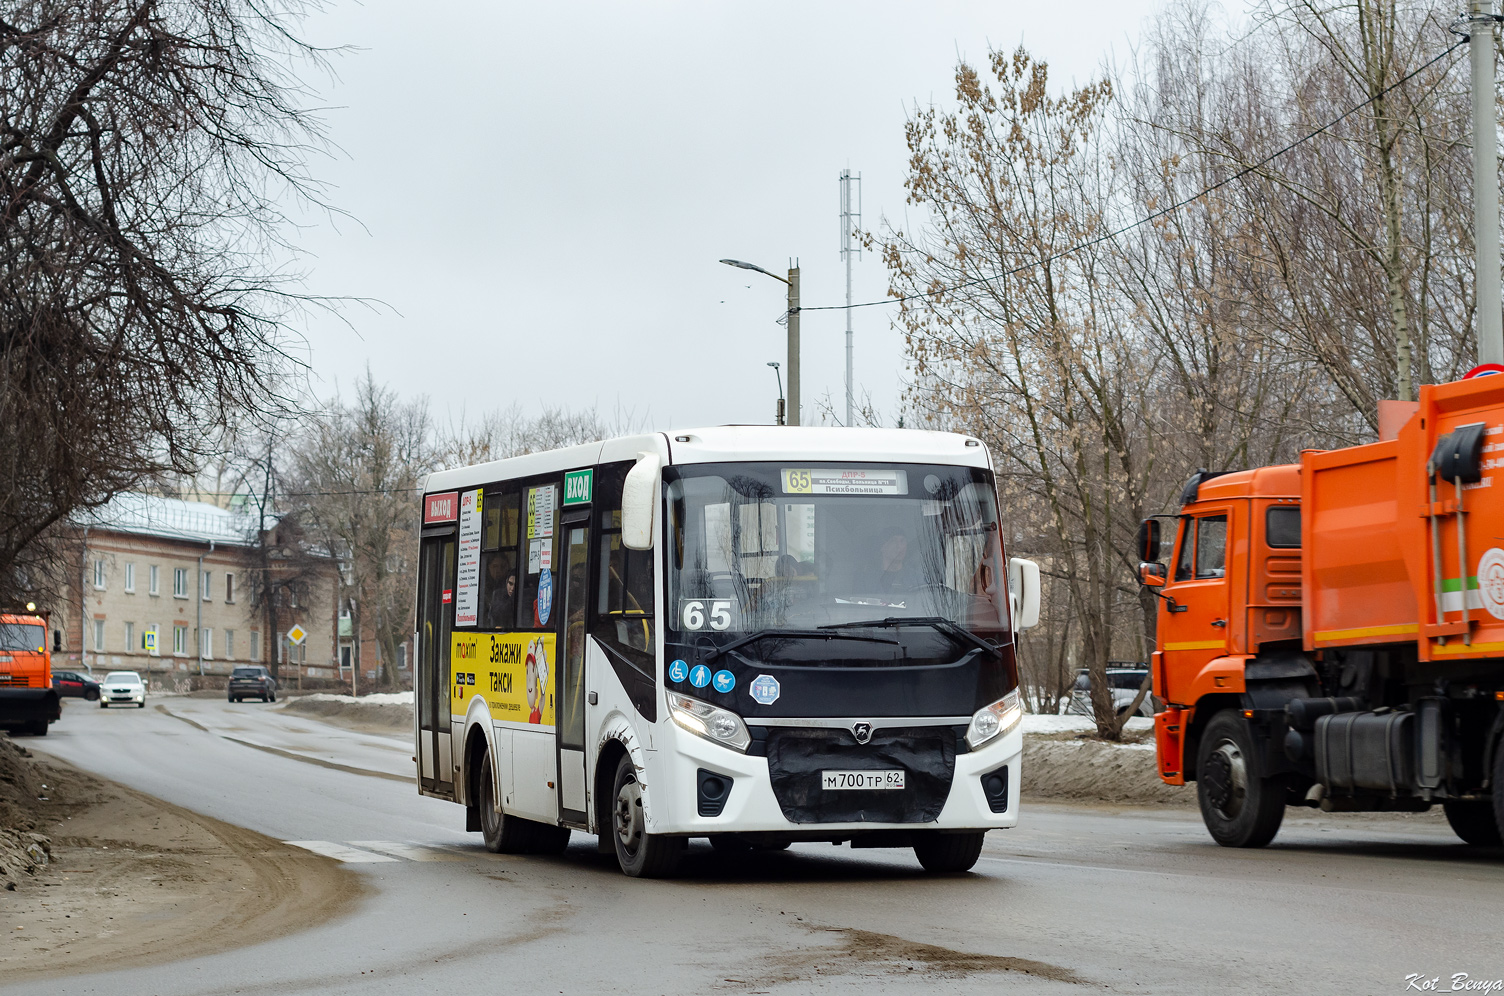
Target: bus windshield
x: 758, y: 547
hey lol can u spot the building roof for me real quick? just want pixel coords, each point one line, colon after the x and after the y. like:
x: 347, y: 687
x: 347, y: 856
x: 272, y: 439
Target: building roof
x: 171, y: 518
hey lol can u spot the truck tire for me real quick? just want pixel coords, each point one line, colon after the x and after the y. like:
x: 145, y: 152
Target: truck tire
x: 640, y: 854
x: 1239, y: 807
x: 948, y: 852
x: 37, y: 728
x: 1498, y: 788
x: 1473, y: 821
x: 503, y: 834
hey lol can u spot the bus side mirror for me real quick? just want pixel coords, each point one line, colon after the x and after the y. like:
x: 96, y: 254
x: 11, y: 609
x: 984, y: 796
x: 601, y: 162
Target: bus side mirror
x: 1152, y: 575
x: 638, y: 500
x: 1148, y: 541
x: 1023, y: 581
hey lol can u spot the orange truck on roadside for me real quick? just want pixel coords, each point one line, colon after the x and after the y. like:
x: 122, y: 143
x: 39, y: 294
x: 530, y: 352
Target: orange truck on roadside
x: 28, y: 702
x: 1331, y: 633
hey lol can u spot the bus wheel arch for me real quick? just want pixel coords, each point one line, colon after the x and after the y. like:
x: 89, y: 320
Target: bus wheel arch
x: 477, y: 747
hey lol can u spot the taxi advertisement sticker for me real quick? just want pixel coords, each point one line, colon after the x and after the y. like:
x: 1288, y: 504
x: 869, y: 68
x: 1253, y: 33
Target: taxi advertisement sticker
x: 512, y: 671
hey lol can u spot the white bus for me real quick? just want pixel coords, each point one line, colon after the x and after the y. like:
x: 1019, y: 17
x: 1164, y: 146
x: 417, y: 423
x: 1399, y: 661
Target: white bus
x: 755, y: 635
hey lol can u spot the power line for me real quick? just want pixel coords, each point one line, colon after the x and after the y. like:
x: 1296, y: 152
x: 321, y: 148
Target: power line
x: 1156, y: 214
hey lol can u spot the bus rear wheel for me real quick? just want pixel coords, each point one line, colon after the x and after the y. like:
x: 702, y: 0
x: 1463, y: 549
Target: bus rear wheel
x: 503, y: 834
x: 1239, y: 808
x: 640, y: 854
x: 948, y: 852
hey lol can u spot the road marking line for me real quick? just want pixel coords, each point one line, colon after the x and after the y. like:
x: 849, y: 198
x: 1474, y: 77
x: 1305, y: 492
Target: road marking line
x: 339, y: 852
x: 412, y: 852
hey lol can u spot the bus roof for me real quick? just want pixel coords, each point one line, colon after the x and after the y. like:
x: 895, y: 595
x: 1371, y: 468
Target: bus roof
x: 728, y: 443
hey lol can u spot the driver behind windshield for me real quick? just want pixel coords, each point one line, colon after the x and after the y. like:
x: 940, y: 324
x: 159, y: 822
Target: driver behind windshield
x: 894, y: 572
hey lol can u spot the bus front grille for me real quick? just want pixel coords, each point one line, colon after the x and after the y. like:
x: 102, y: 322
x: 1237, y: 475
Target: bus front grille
x: 798, y: 756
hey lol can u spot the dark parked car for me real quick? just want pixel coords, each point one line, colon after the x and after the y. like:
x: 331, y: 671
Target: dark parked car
x: 71, y: 684
x: 1124, y: 678
x: 252, y: 682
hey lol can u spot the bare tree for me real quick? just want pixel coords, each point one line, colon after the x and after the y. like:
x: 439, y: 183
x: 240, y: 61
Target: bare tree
x: 353, y: 485
x: 148, y: 151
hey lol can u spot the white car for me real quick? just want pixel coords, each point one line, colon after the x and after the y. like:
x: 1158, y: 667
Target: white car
x: 122, y: 688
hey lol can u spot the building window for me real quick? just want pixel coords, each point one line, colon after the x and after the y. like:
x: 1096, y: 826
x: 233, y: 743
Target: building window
x: 99, y: 575
x: 229, y: 644
x: 206, y: 643
x: 205, y: 588
x: 180, y: 641
x: 130, y: 578
x: 402, y: 657
x: 255, y: 644
x: 99, y: 636
x: 151, y: 580
x: 130, y: 637
x: 180, y: 582
x: 229, y: 587
x: 344, y: 658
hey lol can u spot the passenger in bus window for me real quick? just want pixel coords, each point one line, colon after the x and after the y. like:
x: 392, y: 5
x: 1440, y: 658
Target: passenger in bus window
x: 501, y: 592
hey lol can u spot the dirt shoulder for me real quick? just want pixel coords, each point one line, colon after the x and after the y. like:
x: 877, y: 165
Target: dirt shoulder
x: 131, y: 880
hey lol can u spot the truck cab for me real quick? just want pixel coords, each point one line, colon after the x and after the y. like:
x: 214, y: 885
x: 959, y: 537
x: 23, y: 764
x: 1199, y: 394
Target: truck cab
x: 28, y: 702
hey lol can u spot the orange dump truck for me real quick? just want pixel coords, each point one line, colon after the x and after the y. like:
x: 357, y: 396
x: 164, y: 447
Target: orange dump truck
x: 1331, y: 633
x: 27, y: 700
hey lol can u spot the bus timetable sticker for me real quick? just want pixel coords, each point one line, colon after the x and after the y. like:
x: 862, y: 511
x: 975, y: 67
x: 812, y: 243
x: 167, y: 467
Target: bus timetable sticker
x: 764, y: 689
x: 467, y: 583
x: 511, y: 671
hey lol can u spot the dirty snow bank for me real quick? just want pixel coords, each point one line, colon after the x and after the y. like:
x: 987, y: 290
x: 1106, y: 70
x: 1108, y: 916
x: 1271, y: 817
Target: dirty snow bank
x: 22, y: 851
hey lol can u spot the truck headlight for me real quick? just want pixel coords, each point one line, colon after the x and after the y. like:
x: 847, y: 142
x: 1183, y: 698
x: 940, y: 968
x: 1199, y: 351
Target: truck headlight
x: 711, y: 722
x: 993, y: 721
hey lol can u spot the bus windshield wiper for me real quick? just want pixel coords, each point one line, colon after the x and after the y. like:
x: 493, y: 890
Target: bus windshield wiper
x: 820, y: 633
x: 944, y: 625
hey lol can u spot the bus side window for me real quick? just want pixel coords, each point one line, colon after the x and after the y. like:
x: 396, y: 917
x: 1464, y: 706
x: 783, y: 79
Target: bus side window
x: 498, y: 571
x: 624, y: 585
x: 1183, y: 570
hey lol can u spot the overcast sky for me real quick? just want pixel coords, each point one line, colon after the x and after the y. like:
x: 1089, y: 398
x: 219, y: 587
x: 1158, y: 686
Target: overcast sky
x: 546, y: 189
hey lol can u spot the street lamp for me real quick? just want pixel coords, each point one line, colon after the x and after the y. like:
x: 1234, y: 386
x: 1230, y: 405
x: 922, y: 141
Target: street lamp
x: 774, y: 365
x: 793, y: 327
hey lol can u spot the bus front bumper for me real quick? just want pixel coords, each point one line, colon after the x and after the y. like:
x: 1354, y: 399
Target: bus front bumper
x: 752, y: 806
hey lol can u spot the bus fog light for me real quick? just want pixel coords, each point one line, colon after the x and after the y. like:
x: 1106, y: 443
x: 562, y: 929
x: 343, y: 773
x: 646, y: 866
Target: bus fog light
x: 994, y: 720
x: 711, y: 722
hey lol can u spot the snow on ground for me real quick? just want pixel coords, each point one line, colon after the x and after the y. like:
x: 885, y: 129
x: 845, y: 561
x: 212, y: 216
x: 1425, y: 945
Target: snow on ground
x: 379, y: 698
x: 1077, y: 724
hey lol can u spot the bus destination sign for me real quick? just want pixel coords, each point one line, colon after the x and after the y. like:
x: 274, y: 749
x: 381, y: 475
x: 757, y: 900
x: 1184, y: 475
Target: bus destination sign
x: 845, y: 481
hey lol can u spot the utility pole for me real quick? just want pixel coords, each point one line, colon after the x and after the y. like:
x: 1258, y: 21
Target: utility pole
x: 1481, y: 21
x: 793, y: 360
x: 850, y: 218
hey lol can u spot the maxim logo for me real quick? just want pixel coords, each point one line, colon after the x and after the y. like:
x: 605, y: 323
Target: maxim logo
x: 862, y: 732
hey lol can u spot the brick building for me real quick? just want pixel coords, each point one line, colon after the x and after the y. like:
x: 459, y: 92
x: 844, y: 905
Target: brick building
x: 170, y: 588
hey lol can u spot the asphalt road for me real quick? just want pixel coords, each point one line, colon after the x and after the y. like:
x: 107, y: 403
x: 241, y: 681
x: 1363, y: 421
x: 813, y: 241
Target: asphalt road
x: 1075, y: 899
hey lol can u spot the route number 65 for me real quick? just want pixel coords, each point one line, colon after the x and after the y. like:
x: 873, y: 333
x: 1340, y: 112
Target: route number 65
x: 696, y: 614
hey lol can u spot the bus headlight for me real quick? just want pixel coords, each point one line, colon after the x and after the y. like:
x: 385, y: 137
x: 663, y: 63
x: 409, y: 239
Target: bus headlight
x: 711, y: 722
x: 994, y: 720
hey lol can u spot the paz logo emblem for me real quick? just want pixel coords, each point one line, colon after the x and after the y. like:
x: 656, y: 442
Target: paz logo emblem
x: 862, y: 732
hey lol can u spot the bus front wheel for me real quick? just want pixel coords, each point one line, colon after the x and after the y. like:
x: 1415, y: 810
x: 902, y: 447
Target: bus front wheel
x: 503, y: 834
x: 948, y: 852
x: 640, y: 854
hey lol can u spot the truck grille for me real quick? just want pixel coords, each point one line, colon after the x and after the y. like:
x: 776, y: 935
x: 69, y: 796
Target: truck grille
x: 796, y: 757
x: 16, y: 681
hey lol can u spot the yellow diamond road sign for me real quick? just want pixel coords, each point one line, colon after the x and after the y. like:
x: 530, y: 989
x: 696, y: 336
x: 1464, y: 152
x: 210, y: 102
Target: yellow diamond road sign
x: 297, y: 635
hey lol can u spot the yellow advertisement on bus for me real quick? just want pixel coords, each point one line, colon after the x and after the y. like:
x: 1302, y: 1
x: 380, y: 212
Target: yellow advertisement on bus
x: 513, y: 672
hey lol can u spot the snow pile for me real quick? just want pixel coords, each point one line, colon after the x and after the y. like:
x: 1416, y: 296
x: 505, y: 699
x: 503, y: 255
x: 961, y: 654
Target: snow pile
x: 1078, y: 724
x: 376, y: 698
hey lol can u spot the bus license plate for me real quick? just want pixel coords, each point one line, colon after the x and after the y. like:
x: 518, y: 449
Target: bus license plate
x: 836, y: 780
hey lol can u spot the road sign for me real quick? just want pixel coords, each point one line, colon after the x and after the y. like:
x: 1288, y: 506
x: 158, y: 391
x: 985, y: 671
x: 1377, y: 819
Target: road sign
x: 149, y: 641
x: 297, y: 635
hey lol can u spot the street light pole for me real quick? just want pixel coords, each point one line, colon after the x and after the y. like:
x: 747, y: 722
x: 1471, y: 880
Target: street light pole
x: 793, y: 408
x: 778, y: 418
x: 793, y: 329
x: 1481, y: 22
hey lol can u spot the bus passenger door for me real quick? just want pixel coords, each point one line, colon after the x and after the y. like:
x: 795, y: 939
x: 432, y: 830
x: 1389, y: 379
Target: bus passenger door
x: 570, y: 694
x: 431, y: 683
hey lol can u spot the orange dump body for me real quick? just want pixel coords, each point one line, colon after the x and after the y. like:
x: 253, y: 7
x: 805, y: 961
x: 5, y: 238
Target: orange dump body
x: 1384, y: 561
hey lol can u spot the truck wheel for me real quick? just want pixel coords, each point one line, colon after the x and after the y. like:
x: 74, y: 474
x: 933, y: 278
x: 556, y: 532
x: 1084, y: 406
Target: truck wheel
x: 1239, y: 808
x: 1473, y: 821
x: 1498, y: 784
x: 640, y: 854
x: 948, y: 852
x: 503, y: 834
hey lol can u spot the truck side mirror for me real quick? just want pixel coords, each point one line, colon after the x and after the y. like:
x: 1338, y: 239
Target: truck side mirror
x: 1152, y: 575
x: 1023, y: 583
x: 639, y: 498
x: 1148, y: 541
